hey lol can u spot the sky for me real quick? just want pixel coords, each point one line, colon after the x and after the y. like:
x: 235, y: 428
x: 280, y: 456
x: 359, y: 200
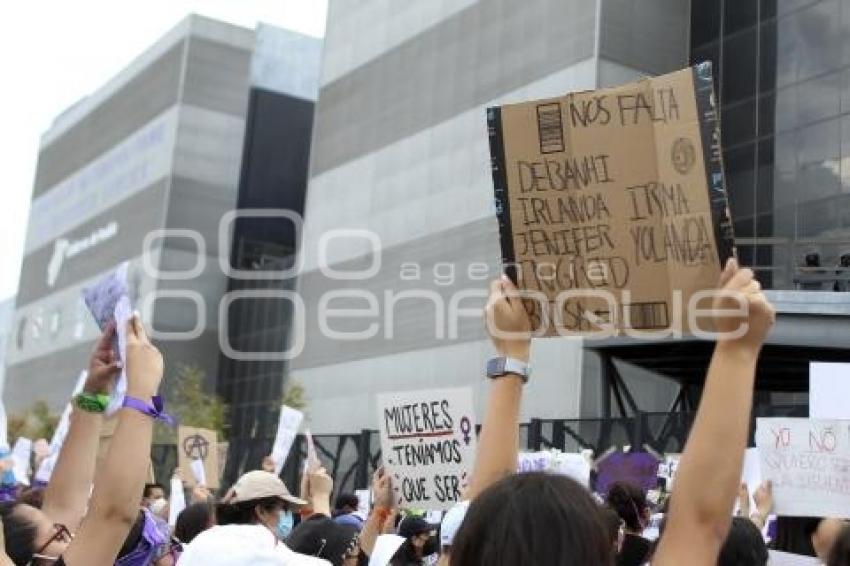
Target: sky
x: 57, y: 52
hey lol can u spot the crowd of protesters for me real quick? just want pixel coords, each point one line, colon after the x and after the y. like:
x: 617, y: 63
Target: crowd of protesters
x: 93, y: 515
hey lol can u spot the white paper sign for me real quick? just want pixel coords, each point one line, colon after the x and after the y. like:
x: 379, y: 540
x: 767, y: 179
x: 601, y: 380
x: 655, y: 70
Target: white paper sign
x: 287, y: 429
x: 198, y: 471
x: 574, y: 466
x: 428, y: 445
x: 385, y: 547
x: 808, y: 462
x: 829, y: 389
x: 62, y: 427
x: 123, y: 313
x: 364, y: 502
x: 21, y: 458
x: 4, y: 428
x: 777, y: 558
x: 45, y: 469
x: 178, y: 500
x: 108, y: 302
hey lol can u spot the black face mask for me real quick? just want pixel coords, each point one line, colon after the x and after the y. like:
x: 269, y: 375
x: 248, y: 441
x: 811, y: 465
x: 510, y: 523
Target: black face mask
x: 432, y: 546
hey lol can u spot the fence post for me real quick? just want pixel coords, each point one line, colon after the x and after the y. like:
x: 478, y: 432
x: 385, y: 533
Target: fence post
x: 639, y: 430
x: 559, y: 438
x: 535, y: 434
x: 361, y: 478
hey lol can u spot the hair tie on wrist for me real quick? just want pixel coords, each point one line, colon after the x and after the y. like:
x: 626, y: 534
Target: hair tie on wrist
x: 156, y: 410
x: 92, y: 402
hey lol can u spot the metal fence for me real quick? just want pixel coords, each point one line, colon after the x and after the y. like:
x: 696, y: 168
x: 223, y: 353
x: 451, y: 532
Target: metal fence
x: 352, y: 458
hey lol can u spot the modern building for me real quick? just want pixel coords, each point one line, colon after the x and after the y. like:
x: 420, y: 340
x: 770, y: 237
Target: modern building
x: 212, y: 117
x: 400, y: 150
x: 7, y: 309
x: 400, y: 160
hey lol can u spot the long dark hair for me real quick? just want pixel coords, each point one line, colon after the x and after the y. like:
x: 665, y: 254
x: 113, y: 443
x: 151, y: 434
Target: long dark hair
x: 533, y: 518
x: 244, y: 512
x: 744, y: 545
x: 629, y: 501
x: 19, y: 533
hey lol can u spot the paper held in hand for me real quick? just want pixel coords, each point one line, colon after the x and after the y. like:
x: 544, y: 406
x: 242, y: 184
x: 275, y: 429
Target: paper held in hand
x: 612, y: 204
x: 428, y: 445
x: 287, y: 429
x: 108, y: 301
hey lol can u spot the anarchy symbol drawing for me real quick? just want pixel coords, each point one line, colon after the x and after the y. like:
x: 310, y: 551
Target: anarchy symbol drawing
x: 196, y: 447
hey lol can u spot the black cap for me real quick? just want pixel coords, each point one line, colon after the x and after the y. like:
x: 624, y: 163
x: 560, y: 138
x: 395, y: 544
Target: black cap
x: 412, y: 526
x: 320, y: 536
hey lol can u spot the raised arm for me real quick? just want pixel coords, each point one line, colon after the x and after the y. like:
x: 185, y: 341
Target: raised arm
x: 709, y: 472
x: 67, y: 494
x: 115, y: 501
x: 382, y: 506
x: 498, y: 444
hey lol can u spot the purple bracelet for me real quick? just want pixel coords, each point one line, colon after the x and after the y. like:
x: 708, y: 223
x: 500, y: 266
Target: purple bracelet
x: 156, y: 410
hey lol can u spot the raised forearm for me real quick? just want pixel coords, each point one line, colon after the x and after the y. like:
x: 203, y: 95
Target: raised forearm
x: 67, y: 494
x: 498, y: 444
x: 125, y: 468
x: 706, y: 486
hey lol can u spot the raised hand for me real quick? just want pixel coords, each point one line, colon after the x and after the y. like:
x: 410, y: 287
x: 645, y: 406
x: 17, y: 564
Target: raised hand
x: 144, y: 361
x: 743, y: 314
x: 506, y: 320
x: 382, y: 488
x: 104, y: 364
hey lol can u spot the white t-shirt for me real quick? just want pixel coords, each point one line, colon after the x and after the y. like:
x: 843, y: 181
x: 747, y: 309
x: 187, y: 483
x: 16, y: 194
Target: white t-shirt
x: 236, y: 545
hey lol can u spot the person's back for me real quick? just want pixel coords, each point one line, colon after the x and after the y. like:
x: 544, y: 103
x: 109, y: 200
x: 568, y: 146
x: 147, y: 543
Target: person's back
x: 235, y: 545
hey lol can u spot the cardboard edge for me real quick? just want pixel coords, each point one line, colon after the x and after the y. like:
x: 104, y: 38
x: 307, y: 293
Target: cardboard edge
x: 500, y: 190
x: 709, y: 125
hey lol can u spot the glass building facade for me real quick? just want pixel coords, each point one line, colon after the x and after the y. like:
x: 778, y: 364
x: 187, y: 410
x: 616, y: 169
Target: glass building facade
x: 783, y: 80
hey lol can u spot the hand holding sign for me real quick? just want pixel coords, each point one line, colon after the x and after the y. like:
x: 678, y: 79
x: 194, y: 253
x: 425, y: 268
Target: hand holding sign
x: 104, y: 364
x: 144, y: 361
x: 382, y: 492
x: 507, y: 321
x: 742, y: 313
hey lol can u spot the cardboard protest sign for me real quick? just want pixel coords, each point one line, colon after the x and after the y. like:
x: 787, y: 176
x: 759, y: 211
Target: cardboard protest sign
x: 198, y: 444
x: 108, y: 301
x: 611, y: 203
x: 808, y: 462
x: 829, y: 388
x: 428, y: 445
x: 574, y: 466
x: 287, y: 428
x: 639, y: 468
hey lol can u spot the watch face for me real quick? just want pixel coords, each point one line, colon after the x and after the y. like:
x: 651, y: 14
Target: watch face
x: 496, y: 366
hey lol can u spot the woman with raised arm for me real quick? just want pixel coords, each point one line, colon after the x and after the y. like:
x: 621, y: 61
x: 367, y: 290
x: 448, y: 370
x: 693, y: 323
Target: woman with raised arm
x: 114, y: 505
x: 546, y: 519
x: 709, y: 471
x: 67, y: 494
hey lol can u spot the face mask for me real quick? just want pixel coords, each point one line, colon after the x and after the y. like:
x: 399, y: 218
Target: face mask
x: 284, y: 524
